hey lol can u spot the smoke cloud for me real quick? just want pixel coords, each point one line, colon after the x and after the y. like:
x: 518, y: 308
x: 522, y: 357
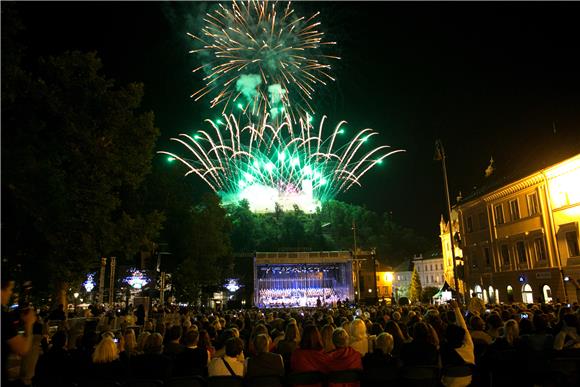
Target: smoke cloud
x: 276, y: 93
x: 247, y: 84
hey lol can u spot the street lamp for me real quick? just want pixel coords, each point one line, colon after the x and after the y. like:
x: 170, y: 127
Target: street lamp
x: 76, y: 295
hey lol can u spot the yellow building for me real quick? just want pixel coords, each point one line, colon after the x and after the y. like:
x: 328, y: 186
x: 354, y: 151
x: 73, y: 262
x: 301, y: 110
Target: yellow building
x: 445, y: 237
x: 385, y: 277
x: 520, y: 240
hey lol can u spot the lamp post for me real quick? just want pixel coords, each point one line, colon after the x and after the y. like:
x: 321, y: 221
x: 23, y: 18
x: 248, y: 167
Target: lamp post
x: 76, y: 296
x: 440, y: 156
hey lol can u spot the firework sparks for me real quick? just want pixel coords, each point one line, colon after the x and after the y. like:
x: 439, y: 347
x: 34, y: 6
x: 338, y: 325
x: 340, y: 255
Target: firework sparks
x: 262, y: 59
x: 282, y: 164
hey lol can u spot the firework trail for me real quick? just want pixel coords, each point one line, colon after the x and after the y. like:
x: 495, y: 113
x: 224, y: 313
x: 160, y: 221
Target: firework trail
x: 261, y: 58
x: 273, y: 164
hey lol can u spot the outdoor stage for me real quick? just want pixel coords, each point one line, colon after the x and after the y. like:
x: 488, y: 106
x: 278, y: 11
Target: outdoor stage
x: 299, y: 279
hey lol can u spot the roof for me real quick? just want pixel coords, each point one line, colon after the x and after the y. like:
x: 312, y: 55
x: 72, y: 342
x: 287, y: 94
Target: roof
x: 518, y: 169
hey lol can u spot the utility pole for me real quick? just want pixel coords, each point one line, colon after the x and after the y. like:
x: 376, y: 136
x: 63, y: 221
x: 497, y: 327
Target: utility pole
x: 356, y: 263
x: 440, y: 155
x: 102, y: 280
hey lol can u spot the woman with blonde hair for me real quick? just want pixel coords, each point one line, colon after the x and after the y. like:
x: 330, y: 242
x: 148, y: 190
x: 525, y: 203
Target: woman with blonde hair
x: 359, y: 340
x: 130, y: 342
x: 142, y: 340
x: 326, y: 333
x: 105, y: 361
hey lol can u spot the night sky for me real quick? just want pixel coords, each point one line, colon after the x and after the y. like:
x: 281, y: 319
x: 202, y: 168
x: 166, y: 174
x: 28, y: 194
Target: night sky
x: 489, y: 79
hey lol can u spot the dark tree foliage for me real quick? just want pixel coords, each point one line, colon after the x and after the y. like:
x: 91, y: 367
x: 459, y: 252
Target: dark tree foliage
x: 428, y: 293
x: 75, y: 151
x: 329, y: 228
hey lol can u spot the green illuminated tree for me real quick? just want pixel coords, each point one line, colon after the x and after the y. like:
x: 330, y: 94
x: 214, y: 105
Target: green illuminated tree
x: 415, y: 290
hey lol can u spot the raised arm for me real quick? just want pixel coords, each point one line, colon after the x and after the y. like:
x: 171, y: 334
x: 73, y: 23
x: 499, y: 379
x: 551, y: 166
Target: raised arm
x: 467, y: 350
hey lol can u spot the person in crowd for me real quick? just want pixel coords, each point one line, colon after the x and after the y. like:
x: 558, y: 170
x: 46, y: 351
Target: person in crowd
x: 53, y: 367
x: 193, y: 360
x: 326, y: 334
x: 228, y: 365
x: 204, y: 342
x: 152, y: 364
x: 358, y: 336
x: 458, y: 349
x: 567, y: 337
x: 392, y: 328
x: 173, y: 347
x: 225, y: 336
x: 381, y: 358
x: 140, y: 315
x: 494, y: 324
x: 141, y: 341
x: 344, y: 357
x: 129, y: 344
x: 310, y: 355
x: 540, y: 340
x: 12, y: 342
x: 477, y: 331
x: 422, y: 350
x: 289, y: 343
x: 106, y: 363
x: 264, y: 363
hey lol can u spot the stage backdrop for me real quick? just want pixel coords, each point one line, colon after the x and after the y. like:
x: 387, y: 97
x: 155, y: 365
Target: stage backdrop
x: 300, y: 279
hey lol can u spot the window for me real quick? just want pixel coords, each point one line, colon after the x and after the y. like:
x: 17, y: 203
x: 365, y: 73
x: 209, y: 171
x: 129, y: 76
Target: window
x: 437, y: 279
x: 432, y: 279
x: 469, y: 224
x: 547, y: 293
x: 539, y: 249
x: 499, y: 214
x: 505, y: 254
x: 521, y: 249
x: 431, y: 267
x: 487, y: 256
x: 533, y: 205
x: 514, y: 210
x: 572, y: 242
x: 510, y: 294
x: 527, y: 295
x: 482, y: 221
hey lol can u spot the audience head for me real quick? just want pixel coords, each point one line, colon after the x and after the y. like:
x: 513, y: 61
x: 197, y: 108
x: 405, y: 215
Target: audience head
x: 454, y: 335
x: 385, y: 343
x: 311, y: 338
x: 476, y: 323
x: 292, y: 333
x: 340, y: 338
x: 130, y: 340
x: 106, y: 351
x: 191, y: 338
x: 234, y: 346
x: 511, y: 331
x: 174, y: 333
x: 326, y: 334
x: 154, y: 344
x: 358, y: 330
x: 261, y: 343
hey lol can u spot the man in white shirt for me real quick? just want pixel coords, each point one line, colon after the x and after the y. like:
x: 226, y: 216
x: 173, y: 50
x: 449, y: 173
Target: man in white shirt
x: 229, y: 365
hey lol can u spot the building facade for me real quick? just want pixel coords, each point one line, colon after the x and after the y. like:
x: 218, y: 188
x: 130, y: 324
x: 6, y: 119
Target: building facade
x: 385, y: 276
x: 430, y: 270
x: 520, y: 241
x: 445, y: 237
x: 402, y: 279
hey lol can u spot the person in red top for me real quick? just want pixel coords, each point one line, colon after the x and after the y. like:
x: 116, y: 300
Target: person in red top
x: 310, y: 356
x: 344, y: 357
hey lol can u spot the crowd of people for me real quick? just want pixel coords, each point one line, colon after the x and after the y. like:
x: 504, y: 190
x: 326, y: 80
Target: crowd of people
x: 297, y: 297
x: 496, y: 344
